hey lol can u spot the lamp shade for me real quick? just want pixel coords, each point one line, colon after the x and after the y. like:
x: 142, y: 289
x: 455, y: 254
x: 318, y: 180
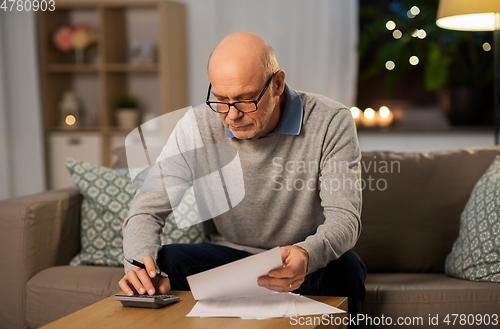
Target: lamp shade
x: 468, y: 15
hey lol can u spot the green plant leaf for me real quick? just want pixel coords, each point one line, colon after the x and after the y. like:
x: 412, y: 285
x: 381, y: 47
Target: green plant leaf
x: 127, y: 101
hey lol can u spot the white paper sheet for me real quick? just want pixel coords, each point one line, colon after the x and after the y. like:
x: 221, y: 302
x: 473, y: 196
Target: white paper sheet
x: 231, y: 290
x: 308, y: 306
x: 235, y: 279
x: 266, y: 306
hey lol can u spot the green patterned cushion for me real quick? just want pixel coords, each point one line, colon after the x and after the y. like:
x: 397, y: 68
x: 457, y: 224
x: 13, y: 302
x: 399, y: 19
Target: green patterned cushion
x: 107, y: 196
x: 475, y: 254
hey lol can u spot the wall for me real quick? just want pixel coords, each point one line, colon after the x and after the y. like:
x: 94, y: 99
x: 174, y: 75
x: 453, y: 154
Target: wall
x: 22, y: 167
x: 315, y: 41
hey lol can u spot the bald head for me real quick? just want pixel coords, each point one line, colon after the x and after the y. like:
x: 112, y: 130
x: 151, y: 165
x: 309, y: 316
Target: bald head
x: 238, y: 70
x: 243, y: 53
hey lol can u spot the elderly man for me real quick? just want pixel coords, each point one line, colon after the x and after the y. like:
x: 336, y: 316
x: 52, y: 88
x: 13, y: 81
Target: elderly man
x: 300, y: 161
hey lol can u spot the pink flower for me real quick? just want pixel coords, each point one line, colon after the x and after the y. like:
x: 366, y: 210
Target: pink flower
x: 62, y: 38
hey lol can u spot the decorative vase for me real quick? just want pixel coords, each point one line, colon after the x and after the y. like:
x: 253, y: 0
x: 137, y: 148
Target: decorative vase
x: 127, y: 118
x: 79, y: 56
x: 69, y: 109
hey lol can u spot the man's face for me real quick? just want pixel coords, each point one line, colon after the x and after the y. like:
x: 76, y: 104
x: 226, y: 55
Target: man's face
x: 245, y: 125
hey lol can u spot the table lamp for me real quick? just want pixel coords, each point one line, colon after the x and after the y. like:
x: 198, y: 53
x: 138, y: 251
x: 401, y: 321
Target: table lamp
x: 474, y: 15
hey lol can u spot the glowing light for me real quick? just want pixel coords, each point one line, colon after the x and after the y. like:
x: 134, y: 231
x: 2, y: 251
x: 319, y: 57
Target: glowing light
x: 414, y: 33
x: 486, y: 46
x: 390, y: 25
x: 390, y: 65
x: 385, y: 117
x: 369, y: 113
x: 421, y: 34
x: 414, y: 60
x: 384, y: 112
x: 397, y: 34
x: 355, y: 112
x: 471, y: 22
x: 70, y: 120
x: 409, y: 14
x: 415, y: 10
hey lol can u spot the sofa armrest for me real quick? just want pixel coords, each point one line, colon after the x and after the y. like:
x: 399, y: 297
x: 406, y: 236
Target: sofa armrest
x: 36, y: 232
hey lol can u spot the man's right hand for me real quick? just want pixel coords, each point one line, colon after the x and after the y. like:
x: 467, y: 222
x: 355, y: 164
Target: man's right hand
x: 143, y: 281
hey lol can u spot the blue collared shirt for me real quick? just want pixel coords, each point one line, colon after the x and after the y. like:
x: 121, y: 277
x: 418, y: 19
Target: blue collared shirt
x: 291, y: 122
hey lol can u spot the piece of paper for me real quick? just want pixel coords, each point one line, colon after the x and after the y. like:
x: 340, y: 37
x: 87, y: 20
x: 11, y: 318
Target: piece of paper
x: 231, y: 290
x: 235, y: 279
x: 266, y: 306
x: 308, y: 306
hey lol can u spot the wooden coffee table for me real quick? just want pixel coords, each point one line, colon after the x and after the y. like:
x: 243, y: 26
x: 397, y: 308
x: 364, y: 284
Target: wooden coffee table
x: 109, y: 313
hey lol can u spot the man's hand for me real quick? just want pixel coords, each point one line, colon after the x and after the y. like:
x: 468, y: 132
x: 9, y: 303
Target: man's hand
x: 143, y: 281
x: 291, y: 275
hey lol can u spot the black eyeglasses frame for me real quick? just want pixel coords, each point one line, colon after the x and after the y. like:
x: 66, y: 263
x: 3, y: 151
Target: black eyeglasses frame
x: 255, y: 102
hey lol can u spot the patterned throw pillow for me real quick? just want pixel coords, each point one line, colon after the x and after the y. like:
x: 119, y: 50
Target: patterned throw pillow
x: 107, y: 196
x: 475, y: 254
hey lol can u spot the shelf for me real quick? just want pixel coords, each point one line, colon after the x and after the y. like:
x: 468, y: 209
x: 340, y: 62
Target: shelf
x: 118, y: 130
x: 156, y: 26
x: 72, y: 68
x: 93, y: 68
x: 72, y: 130
x: 130, y: 68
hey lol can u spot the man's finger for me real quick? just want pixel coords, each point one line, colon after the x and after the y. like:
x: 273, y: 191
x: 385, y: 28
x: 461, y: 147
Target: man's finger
x: 146, y: 282
x: 268, y: 281
x: 164, y: 285
x: 123, y: 283
x: 295, y: 284
x: 136, y: 283
x: 150, y: 266
x: 284, y: 251
x: 284, y: 272
x: 280, y: 284
x: 278, y: 288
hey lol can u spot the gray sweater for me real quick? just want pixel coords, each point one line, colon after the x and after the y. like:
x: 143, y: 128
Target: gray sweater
x: 303, y: 190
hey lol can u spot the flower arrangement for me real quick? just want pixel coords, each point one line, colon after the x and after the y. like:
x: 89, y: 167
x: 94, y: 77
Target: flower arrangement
x: 76, y: 37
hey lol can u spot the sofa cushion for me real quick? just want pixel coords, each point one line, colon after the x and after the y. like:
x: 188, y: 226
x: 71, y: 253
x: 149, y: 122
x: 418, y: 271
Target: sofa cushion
x: 412, y: 218
x: 476, y: 252
x: 58, y: 291
x: 107, y: 197
x: 423, y: 294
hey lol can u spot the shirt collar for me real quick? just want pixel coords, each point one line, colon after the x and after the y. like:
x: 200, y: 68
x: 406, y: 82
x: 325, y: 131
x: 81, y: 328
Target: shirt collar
x: 291, y: 123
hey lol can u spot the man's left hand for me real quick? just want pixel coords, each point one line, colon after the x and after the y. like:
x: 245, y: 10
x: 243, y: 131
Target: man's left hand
x: 291, y: 275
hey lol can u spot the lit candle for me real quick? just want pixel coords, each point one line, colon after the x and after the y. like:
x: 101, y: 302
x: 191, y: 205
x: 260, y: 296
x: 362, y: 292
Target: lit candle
x: 368, y: 118
x: 70, y: 120
x: 356, y: 114
x: 385, y: 117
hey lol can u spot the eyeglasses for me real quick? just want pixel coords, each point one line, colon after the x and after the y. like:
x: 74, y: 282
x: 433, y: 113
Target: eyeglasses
x: 242, y: 106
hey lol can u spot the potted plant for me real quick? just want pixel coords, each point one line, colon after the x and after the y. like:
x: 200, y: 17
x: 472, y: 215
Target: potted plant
x: 452, y: 63
x: 127, y: 111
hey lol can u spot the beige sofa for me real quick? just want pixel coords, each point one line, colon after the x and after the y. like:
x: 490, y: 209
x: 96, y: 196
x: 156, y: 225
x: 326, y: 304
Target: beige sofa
x: 409, y: 225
